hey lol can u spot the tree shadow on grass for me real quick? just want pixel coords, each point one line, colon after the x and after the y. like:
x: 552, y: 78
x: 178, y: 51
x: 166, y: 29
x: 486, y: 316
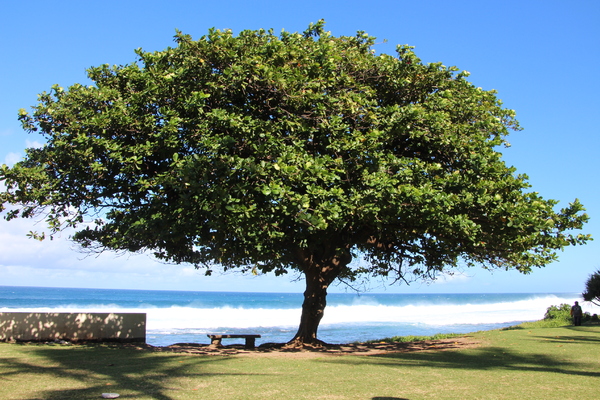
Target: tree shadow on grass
x: 489, y: 358
x: 583, y: 337
x: 98, y: 369
x: 570, y: 339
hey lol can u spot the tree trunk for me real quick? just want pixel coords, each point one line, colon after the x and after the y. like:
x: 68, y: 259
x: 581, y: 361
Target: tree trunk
x: 319, y: 275
x: 313, y: 307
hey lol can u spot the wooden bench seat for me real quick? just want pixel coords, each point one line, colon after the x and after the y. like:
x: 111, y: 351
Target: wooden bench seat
x: 215, y: 340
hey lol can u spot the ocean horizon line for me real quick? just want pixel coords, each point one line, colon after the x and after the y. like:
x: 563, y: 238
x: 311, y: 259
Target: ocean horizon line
x: 358, y: 293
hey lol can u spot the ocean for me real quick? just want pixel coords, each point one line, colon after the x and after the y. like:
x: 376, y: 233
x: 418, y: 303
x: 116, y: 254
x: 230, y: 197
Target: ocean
x: 187, y: 317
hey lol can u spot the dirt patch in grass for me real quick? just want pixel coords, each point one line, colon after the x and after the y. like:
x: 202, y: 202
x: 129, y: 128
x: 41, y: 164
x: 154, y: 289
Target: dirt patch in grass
x: 282, y: 350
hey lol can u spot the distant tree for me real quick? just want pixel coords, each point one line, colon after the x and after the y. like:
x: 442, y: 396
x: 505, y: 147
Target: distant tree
x: 298, y: 152
x: 592, y: 289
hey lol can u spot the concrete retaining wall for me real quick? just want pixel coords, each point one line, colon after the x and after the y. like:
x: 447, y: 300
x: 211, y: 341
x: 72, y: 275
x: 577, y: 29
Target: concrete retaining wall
x: 121, y: 327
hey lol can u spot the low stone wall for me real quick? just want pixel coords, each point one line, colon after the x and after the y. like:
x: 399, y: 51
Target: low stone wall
x: 120, y: 327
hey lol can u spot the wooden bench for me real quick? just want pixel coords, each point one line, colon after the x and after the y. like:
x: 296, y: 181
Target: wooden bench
x: 215, y: 340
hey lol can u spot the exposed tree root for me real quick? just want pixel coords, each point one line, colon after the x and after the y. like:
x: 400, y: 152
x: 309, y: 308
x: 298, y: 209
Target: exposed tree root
x: 299, y: 344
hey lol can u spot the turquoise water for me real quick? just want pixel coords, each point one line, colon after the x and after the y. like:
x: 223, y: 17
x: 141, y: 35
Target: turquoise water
x: 183, y: 316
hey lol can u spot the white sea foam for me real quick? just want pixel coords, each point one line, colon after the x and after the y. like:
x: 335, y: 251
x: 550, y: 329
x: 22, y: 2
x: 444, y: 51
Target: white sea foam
x: 365, y: 311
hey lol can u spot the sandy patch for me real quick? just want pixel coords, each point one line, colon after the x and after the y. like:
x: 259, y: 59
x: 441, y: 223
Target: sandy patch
x: 281, y: 350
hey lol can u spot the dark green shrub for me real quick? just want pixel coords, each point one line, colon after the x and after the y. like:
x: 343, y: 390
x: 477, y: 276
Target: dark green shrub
x: 587, y: 317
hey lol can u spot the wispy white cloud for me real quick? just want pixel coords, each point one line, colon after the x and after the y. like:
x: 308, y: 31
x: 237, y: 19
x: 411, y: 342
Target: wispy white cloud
x: 12, y: 158
x: 33, y: 144
x: 58, y: 263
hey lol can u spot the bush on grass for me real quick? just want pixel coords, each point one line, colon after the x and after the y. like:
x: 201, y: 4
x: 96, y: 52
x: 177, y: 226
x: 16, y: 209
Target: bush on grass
x: 407, y: 339
x: 560, y: 314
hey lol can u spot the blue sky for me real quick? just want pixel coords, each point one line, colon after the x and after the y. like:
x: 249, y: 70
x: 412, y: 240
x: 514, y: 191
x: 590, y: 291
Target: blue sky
x: 542, y: 56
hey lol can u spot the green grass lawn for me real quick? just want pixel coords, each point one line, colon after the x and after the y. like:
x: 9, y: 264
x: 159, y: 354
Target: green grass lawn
x: 521, y: 363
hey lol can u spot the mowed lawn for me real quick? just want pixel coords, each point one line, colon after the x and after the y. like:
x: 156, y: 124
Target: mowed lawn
x: 540, y: 363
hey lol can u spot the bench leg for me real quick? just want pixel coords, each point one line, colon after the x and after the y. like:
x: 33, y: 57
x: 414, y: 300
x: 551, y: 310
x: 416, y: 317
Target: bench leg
x: 215, y: 342
x: 250, y: 343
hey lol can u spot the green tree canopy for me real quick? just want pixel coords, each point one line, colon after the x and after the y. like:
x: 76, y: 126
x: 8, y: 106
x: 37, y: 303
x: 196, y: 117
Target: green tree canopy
x: 592, y: 289
x: 297, y: 152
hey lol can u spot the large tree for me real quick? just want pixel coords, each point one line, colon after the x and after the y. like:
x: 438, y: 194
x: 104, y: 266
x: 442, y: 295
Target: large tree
x: 297, y: 152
